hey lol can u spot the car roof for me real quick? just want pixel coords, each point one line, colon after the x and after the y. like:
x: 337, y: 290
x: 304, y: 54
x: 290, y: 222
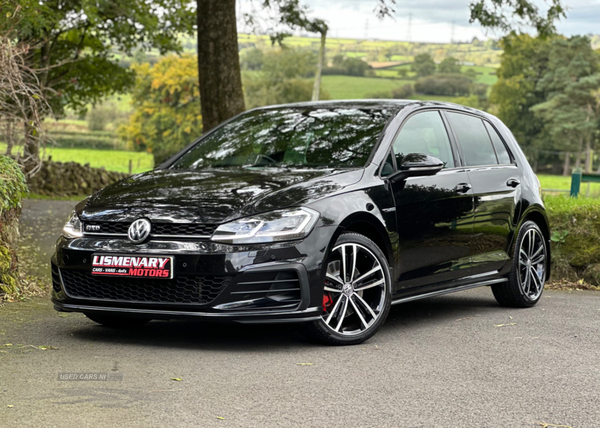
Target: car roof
x: 391, y: 104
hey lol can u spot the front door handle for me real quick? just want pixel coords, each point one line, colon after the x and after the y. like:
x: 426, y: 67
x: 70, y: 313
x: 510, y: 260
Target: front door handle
x: 462, y: 187
x: 513, y: 182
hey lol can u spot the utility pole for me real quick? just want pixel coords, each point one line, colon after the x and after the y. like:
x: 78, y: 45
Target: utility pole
x: 409, y: 25
x: 366, y: 29
x: 452, y: 33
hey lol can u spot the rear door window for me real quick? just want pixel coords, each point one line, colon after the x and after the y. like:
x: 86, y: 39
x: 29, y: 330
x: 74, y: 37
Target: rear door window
x: 501, y: 152
x: 473, y: 138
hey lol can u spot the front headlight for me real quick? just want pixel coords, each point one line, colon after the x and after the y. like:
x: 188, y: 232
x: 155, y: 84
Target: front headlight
x: 281, y: 225
x: 73, y: 227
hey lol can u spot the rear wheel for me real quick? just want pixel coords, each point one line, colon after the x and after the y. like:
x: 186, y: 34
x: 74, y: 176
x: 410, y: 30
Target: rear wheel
x: 357, y: 292
x: 116, y: 321
x: 528, y: 274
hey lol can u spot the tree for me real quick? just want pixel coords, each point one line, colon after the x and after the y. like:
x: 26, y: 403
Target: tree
x: 444, y: 84
x: 571, y: 112
x: 449, y: 65
x: 523, y: 63
x: 71, y: 45
x: 423, y: 65
x: 217, y: 40
x: 22, y: 102
x: 282, y: 79
x: 165, y: 99
x: 252, y: 59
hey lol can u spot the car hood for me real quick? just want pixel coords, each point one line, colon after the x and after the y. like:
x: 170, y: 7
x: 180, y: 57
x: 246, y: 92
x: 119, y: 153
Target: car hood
x: 212, y: 196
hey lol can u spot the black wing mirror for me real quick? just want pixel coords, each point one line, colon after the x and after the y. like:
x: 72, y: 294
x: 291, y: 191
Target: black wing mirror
x: 417, y: 165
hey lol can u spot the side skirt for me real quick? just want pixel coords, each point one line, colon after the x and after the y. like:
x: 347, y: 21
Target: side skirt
x: 448, y: 291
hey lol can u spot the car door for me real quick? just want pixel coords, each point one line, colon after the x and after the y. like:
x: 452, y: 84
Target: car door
x: 496, y: 189
x: 434, y: 213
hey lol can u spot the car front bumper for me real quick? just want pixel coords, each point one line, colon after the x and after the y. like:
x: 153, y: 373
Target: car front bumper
x: 264, y: 283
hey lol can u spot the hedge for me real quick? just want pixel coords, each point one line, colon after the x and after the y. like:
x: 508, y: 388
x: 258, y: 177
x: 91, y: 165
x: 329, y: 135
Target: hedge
x: 12, y: 189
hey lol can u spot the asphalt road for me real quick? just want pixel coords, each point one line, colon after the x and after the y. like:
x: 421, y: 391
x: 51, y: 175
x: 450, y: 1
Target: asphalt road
x: 452, y: 361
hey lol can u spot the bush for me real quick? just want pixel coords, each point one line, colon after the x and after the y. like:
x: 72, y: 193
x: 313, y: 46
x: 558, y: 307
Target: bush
x: 575, y: 225
x: 252, y: 59
x: 12, y: 189
x: 101, y: 115
x: 88, y: 140
x: 347, y: 67
x: 399, y: 93
x: 453, y: 85
x: 403, y: 92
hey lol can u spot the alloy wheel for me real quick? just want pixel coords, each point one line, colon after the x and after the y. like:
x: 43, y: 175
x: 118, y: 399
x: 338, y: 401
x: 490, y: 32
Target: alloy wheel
x: 355, y: 290
x: 532, y: 264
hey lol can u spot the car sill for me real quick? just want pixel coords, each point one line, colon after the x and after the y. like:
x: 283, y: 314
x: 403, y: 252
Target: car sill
x: 448, y: 291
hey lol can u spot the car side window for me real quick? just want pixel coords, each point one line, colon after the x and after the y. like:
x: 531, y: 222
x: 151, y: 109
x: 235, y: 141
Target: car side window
x: 501, y: 152
x: 474, y: 140
x: 424, y: 133
x: 388, y: 166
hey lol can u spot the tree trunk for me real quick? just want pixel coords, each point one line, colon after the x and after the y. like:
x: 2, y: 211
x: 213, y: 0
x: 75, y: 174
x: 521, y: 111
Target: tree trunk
x: 9, y: 136
x: 567, y: 165
x: 219, y: 73
x: 31, y: 147
x: 589, y: 154
x: 578, y: 159
x: 317, y: 87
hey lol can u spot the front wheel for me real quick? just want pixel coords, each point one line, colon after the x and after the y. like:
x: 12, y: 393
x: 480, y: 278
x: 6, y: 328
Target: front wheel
x: 357, y: 292
x: 528, y: 274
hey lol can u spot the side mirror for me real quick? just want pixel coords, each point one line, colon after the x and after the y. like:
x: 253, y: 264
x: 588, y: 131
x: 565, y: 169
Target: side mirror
x: 417, y: 165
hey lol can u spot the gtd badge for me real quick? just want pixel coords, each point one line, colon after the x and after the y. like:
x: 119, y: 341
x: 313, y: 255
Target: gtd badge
x: 139, y: 230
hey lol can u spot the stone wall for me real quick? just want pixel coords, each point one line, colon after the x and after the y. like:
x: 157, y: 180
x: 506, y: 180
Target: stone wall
x: 71, y: 179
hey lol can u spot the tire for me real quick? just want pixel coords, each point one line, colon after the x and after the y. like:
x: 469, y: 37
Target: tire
x: 354, y: 308
x: 116, y: 321
x: 529, y: 270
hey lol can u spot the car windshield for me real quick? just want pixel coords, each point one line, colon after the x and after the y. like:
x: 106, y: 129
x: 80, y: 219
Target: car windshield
x: 293, y: 137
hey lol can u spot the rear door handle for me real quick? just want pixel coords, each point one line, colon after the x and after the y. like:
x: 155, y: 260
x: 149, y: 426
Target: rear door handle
x: 462, y: 187
x: 513, y: 182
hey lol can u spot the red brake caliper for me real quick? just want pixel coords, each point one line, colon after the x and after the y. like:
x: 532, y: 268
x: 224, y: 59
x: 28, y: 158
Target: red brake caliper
x: 327, y: 301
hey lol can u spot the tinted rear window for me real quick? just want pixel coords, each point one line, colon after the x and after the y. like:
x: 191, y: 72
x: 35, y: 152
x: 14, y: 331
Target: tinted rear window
x: 474, y: 140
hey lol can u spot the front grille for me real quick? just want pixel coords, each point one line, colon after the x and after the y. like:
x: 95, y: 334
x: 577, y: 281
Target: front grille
x: 112, y: 227
x: 158, y: 229
x: 181, y: 289
x: 183, y: 229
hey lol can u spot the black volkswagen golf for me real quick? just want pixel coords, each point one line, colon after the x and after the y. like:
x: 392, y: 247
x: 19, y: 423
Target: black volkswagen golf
x: 322, y: 213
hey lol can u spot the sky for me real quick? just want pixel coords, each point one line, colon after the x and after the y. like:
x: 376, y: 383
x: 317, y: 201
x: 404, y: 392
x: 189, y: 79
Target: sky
x: 433, y: 21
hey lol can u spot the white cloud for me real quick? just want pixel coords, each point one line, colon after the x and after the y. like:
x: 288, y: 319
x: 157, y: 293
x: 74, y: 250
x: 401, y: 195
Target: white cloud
x: 431, y: 20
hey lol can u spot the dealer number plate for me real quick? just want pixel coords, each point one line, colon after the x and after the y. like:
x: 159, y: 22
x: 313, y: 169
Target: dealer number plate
x: 156, y: 267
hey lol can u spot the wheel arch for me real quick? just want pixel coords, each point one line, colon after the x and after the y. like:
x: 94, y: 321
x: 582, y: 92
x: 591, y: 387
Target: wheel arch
x: 536, y: 215
x: 370, y: 226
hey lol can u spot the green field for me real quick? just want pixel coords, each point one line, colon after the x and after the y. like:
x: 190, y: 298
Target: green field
x: 111, y: 160
x: 354, y: 87
x: 485, y: 75
x: 479, y: 53
x: 559, y: 182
